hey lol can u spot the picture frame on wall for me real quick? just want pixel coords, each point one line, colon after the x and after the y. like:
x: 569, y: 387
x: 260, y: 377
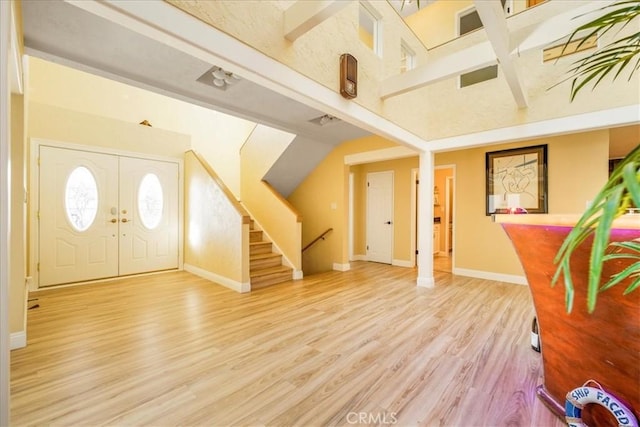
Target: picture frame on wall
x: 516, y: 180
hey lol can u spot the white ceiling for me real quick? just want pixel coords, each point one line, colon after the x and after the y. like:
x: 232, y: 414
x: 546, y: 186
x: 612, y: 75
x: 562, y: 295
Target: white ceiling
x: 59, y: 31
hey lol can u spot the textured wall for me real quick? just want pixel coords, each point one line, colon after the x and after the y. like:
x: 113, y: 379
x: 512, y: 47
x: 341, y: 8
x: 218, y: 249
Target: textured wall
x: 213, y: 227
x: 436, y: 111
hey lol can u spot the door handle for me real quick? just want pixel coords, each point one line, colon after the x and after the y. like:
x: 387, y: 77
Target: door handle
x: 125, y: 220
x: 113, y: 220
x: 388, y: 222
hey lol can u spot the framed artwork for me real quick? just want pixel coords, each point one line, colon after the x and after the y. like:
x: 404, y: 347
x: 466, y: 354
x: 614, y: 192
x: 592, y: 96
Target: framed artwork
x: 516, y: 180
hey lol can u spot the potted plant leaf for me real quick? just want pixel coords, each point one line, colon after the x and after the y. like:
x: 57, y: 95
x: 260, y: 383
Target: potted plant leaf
x: 597, y: 258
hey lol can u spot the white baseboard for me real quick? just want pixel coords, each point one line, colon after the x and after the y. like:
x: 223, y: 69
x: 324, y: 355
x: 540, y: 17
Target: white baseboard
x: 297, y: 274
x: 426, y: 282
x: 498, y: 277
x: 224, y: 281
x: 18, y: 340
x: 341, y: 267
x: 359, y: 257
x: 402, y: 263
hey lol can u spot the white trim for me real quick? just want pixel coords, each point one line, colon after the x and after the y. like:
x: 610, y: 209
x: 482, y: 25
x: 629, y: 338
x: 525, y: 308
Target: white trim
x: 5, y: 209
x: 414, y: 214
x: 350, y: 232
x: 497, y: 277
x: 297, y: 274
x: 450, y: 184
x: 426, y: 282
x: 34, y: 195
x: 402, y: 263
x: 377, y: 22
x: 410, y: 56
x: 360, y: 257
x: 425, y: 227
x: 341, y: 267
x: 579, y: 123
x: 392, y: 153
x: 15, y: 65
x: 18, y: 340
x: 218, y: 279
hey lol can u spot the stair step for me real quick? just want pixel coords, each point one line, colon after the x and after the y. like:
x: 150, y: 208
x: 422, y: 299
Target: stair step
x: 259, y: 248
x: 252, y: 224
x: 255, y: 236
x: 265, y: 260
x: 270, y: 276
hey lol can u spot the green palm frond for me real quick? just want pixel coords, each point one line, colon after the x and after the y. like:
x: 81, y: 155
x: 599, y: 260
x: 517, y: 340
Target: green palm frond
x: 617, y: 56
x: 621, y: 191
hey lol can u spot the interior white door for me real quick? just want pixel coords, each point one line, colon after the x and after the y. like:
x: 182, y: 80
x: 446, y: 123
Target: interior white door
x: 78, y: 201
x: 148, y: 215
x: 380, y: 217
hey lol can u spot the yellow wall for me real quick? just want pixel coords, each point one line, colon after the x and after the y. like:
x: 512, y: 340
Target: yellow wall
x: 18, y: 272
x: 435, y: 23
x: 401, y: 204
x: 59, y: 124
x: 216, y: 239
x: 216, y: 136
x: 577, y: 168
x: 275, y: 216
x: 322, y: 199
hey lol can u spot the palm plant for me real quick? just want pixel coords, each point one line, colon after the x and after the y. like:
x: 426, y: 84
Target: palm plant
x: 622, y: 190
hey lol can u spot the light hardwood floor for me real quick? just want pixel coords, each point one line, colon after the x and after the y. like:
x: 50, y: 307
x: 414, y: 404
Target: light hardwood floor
x: 360, y: 347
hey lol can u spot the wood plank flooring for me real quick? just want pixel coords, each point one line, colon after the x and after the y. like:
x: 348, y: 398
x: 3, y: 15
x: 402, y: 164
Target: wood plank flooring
x: 364, y: 347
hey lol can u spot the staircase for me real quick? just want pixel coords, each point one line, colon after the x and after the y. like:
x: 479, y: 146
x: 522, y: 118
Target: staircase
x: 265, y: 266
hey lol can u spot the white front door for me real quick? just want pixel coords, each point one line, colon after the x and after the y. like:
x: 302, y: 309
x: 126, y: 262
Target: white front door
x: 103, y: 215
x: 148, y: 215
x: 380, y: 217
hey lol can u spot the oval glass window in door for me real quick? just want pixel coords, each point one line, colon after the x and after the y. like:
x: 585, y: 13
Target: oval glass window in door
x: 81, y: 198
x: 150, y: 201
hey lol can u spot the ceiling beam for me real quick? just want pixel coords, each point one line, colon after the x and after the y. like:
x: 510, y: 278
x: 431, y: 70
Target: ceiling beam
x: 495, y: 25
x: 460, y: 62
x: 540, y: 33
x: 304, y: 15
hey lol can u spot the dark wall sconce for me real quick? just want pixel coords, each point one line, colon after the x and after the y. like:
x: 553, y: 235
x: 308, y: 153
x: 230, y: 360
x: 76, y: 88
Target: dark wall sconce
x: 348, y: 76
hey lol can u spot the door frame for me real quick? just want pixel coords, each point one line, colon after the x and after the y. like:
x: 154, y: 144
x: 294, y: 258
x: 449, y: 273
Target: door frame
x: 414, y: 215
x: 393, y: 213
x: 34, y: 197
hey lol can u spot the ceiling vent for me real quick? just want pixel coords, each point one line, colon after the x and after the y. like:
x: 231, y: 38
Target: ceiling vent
x: 324, y: 120
x: 219, y: 78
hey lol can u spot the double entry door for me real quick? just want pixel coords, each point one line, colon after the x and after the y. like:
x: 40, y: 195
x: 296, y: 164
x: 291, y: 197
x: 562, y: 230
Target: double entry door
x: 103, y: 215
